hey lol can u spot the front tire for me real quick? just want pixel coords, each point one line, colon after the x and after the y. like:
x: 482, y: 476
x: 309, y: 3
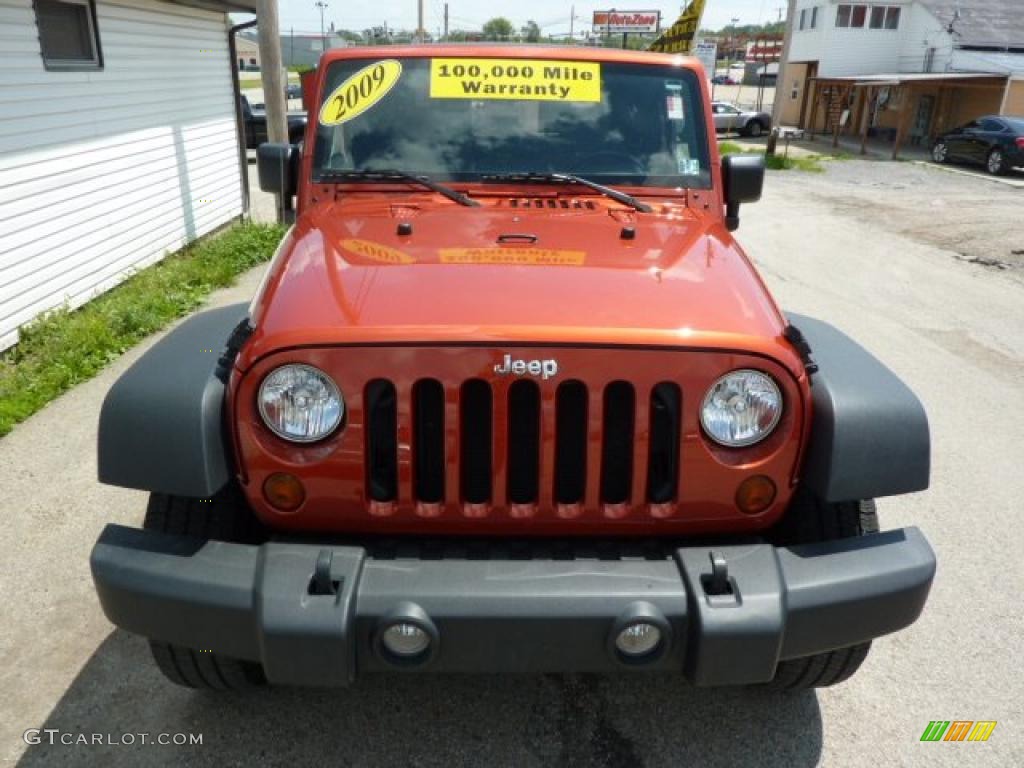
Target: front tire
x: 996, y: 162
x: 810, y: 520
x: 225, y: 517
x: 940, y: 152
x: 754, y: 129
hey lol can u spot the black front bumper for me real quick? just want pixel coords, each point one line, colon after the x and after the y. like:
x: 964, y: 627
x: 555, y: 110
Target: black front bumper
x: 260, y: 603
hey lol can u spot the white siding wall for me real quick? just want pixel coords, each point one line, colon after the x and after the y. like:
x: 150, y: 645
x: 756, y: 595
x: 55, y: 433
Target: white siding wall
x: 105, y: 172
x: 865, y: 51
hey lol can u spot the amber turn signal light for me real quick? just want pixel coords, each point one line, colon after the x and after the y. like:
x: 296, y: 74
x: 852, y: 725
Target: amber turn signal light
x: 755, y: 494
x: 284, y: 491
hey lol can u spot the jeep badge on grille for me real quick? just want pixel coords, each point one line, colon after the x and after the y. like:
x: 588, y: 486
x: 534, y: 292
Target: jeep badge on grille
x: 546, y: 369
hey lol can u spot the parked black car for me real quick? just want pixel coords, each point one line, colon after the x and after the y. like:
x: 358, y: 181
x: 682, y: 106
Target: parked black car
x: 995, y: 141
x: 256, y: 124
x: 293, y: 91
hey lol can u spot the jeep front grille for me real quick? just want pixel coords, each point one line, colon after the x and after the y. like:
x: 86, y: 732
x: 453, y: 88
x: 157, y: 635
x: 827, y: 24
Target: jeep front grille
x: 525, y: 447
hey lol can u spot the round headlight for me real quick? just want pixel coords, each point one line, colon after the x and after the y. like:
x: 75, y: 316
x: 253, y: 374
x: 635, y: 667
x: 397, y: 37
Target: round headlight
x: 741, y: 408
x: 300, y: 403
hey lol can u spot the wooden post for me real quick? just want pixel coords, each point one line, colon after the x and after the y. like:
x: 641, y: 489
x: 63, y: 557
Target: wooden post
x: 838, y: 127
x: 904, y: 123
x: 865, y: 118
x: 273, y: 82
x: 814, y: 110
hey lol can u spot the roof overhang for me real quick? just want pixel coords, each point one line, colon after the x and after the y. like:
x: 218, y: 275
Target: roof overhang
x: 915, y: 78
x: 220, y: 6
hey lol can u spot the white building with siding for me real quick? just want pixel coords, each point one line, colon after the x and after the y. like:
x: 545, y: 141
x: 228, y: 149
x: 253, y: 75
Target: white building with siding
x: 118, y: 143
x: 955, y: 40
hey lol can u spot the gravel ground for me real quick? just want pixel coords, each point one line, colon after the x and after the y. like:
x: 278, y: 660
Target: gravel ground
x: 862, y: 246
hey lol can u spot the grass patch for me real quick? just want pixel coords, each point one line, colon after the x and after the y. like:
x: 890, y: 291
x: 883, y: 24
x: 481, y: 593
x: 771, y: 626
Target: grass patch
x: 64, y: 348
x: 777, y: 162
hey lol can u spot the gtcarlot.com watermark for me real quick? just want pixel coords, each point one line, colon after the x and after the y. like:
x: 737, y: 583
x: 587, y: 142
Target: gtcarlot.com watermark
x: 55, y: 736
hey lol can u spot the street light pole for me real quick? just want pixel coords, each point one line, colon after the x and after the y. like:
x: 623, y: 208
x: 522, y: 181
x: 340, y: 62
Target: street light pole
x: 323, y: 36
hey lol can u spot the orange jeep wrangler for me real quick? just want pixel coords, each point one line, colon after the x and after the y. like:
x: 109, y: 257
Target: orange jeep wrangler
x: 511, y: 398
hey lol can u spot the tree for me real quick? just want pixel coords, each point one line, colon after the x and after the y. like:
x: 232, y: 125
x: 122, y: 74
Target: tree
x: 531, y: 32
x: 498, y: 28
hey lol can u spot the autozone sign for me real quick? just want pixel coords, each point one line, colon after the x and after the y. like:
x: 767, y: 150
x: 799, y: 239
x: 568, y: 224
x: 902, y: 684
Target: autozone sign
x: 626, y: 21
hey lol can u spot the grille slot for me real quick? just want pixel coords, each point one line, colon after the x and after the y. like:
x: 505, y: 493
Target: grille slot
x: 570, y: 442
x: 616, y: 450
x: 523, y: 442
x: 428, y: 440
x: 475, y: 439
x: 381, y: 440
x: 617, y: 446
x: 663, y: 456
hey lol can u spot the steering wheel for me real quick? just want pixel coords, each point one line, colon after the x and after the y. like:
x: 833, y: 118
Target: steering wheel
x: 605, y: 160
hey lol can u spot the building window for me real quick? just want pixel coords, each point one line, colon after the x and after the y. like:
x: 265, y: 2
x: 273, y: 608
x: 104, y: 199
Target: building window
x: 871, y: 16
x: 67, y: 34
x: 814, y: 17
x: 803, y: 19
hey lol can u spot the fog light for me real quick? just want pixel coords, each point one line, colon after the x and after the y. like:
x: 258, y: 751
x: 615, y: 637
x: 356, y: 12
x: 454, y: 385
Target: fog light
x: 405, y: 640
x: 284, y: 491
x: 638, y: 639
x: 755, y: 494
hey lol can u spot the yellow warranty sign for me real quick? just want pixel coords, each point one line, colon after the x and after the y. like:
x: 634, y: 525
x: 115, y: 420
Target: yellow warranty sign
x: 536, y: 257
x: 360, y: 92
x: 519, y: 79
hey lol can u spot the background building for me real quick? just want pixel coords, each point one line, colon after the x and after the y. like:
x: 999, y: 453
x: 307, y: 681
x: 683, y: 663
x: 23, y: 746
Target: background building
x: 247, y: 53
x: 118, y: 143
x: 901, y: 69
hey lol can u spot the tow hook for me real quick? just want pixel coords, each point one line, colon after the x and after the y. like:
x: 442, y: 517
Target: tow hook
x: 717, y: 583
x: 322, y: 583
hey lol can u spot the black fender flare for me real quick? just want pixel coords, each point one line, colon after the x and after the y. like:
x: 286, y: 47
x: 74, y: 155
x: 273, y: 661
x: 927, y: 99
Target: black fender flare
x: 869, y: 432
x: 162, y: 426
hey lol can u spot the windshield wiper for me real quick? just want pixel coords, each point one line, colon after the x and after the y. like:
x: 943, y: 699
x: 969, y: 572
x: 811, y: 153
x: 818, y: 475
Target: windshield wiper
x: 568, y: 178
x: 424, y: 181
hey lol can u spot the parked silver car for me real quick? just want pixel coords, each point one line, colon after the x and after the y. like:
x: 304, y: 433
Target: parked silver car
x: 731, y: 119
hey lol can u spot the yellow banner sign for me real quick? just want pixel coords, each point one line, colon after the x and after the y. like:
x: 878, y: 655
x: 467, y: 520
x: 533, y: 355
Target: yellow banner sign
x: 520, y: 79
x: 679, y: 37
x: 525, y: 256
x: 360, y: 92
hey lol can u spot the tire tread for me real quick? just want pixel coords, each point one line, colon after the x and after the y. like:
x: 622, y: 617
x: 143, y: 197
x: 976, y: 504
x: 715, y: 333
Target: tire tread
x: 225, y: 517
x: 811, y: 520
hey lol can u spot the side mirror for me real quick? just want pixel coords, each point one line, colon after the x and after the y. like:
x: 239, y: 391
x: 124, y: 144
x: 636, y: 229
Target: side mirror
x: 278, y: 168
x: 743, y: 179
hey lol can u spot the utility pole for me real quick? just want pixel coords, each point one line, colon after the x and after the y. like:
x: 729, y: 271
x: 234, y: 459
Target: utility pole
x: 323, y: 37
x: 572, y: 21
x: 445, y: 38
x: 270, y: 76
x: 780, y: 78
x: 421, y: 33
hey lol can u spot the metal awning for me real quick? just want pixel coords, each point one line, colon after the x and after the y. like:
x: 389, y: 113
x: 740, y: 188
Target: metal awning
x: 915, y: 78
x: 220, y: 6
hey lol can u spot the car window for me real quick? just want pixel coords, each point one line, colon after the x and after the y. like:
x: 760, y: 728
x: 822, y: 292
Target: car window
x: 1016, y: 124
x: 617, y: 123
x: 988, y: 124
x: 970, y: 126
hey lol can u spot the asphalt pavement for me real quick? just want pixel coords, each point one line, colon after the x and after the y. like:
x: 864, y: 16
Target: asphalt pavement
x: 950, y: 327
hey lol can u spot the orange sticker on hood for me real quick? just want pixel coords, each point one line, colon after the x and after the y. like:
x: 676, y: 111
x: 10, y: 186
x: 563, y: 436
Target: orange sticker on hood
x: 524, y: 256
x: 377, y: 252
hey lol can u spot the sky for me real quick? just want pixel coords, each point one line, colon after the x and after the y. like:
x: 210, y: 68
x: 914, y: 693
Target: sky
x: 552, y: 15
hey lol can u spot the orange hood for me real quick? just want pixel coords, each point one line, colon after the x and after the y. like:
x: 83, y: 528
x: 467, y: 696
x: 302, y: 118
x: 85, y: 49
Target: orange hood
x: 540, y: 269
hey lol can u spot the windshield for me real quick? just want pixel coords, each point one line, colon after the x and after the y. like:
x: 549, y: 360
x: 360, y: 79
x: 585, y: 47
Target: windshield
x: 459, y: 119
